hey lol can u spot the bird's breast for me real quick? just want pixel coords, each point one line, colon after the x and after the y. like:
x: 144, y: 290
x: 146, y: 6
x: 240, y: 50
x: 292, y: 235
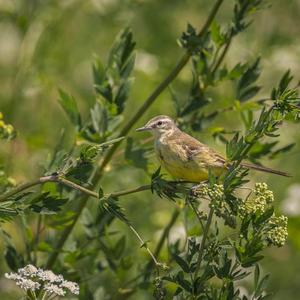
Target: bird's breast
x: 175, y: 160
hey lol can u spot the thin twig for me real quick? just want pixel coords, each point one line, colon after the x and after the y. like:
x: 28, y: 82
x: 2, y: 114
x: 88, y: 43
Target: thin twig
x: 196, y: 213
x: 222, y: 55
x: 131, y: 191
x: 26, y: 186
x: 162, y: 239
x: 143, y: 244
x: 37, y: 238
x: 73, y: 185
x: 203, y: 241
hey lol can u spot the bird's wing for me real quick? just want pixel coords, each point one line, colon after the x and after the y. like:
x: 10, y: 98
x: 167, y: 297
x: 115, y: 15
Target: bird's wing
x: 194, y: 149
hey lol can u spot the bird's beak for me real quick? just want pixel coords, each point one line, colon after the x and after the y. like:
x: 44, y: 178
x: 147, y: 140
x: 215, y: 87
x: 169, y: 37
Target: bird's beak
x: 144, y: 128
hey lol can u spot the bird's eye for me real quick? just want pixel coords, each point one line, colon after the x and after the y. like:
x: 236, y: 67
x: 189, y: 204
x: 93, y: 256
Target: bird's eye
x: 159, y: 123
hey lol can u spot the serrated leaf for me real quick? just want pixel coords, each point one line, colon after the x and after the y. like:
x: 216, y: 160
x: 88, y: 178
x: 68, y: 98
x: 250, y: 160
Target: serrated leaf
x: 262, y: 285
x: 182, y: 263
x: 119, y: 247
x: 69, y: 105
x: 100, y: 193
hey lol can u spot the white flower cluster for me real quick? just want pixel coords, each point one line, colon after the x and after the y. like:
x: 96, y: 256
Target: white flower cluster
x: 263, y: 197
x: 32, y: 278
x: 261, y: 190
x: 216, y: 192
x: 216, y: 196
x: 275, y: 228
x: 278, y: 233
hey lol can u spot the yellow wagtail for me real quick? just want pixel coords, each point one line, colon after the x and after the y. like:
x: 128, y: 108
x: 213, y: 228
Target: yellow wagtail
x: 186, y: 158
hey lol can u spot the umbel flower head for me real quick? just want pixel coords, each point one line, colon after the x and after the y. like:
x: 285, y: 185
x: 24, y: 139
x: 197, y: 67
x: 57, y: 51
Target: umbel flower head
x: 214, y: 193
x: 277, y: 233
x: 275, y: 227
x: 31, y: 278
x: 259, y: 203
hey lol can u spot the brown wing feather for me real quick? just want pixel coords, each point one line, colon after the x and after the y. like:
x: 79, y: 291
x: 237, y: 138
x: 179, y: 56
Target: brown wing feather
x: 194, y: 148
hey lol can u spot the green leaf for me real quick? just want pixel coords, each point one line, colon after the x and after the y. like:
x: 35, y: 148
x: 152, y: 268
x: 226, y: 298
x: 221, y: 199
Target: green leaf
x: 100, y: 193
x: 262, y: 285
x: 13, y: 259
x: 45, y: 247
x: 182, y: 263
x: 282, y: 86
x: 250, y: 261
x: 111, y: 205
x: 69, y: 105
x: 265, y: 216
x: 245, y: 88
x: 46, y: 203
x: 101, y: 82
x: 110, y: 142
x: 196, y: 99
x: 216, y: 33
x: 119, y: 247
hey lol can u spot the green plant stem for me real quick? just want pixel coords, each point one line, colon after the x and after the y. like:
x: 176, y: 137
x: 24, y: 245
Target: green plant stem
x: 73, y: 185
x: 77, y: 187
x: 37, y: 238
x: 222, y: 55
x: 98, y: 173
x: 194, y: 208
x: 44, y: 296
x: 26, y: 186
x: 163, y: 237
x: 131, y: 191
x: 143, y: 244
x: 203, y: 241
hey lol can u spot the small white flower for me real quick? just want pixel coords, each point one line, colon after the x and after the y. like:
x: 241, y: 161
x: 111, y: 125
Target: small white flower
x: 54, y: 289
x: 28, y: 284
x: 12, y: 276
x: 71, y: 286
x: 23, y: 282
x: 31, y: 278
x: 29, y: 270
x: 48, y: 275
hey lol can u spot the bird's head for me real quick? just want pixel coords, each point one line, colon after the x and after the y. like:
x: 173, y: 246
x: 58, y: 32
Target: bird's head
x: 159, y: 125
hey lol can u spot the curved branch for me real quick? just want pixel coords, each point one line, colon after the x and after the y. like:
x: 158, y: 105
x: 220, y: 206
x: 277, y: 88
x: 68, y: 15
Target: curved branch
x: 71, y: 184
x: 26, y: 186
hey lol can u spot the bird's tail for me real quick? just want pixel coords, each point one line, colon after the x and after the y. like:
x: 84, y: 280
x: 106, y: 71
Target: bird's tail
x: 265, y: 169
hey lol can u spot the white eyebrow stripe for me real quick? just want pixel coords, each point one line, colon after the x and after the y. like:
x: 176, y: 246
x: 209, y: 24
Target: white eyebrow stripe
x: 162, y: 120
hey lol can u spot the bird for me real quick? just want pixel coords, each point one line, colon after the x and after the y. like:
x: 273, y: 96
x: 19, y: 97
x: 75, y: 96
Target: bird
x: 186, y: 158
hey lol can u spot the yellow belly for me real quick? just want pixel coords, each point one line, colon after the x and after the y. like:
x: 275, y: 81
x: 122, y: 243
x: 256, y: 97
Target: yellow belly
x: 186, y: 173
x: 180, y: 164
x: 190, y: 172
x: 194, y: 171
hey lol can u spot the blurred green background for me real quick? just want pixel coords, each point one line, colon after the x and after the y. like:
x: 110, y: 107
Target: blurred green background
x: 47, y: 44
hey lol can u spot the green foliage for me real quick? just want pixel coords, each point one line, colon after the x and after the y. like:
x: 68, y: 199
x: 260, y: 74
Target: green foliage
x: 112, y: 82
x: 69, y: 105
